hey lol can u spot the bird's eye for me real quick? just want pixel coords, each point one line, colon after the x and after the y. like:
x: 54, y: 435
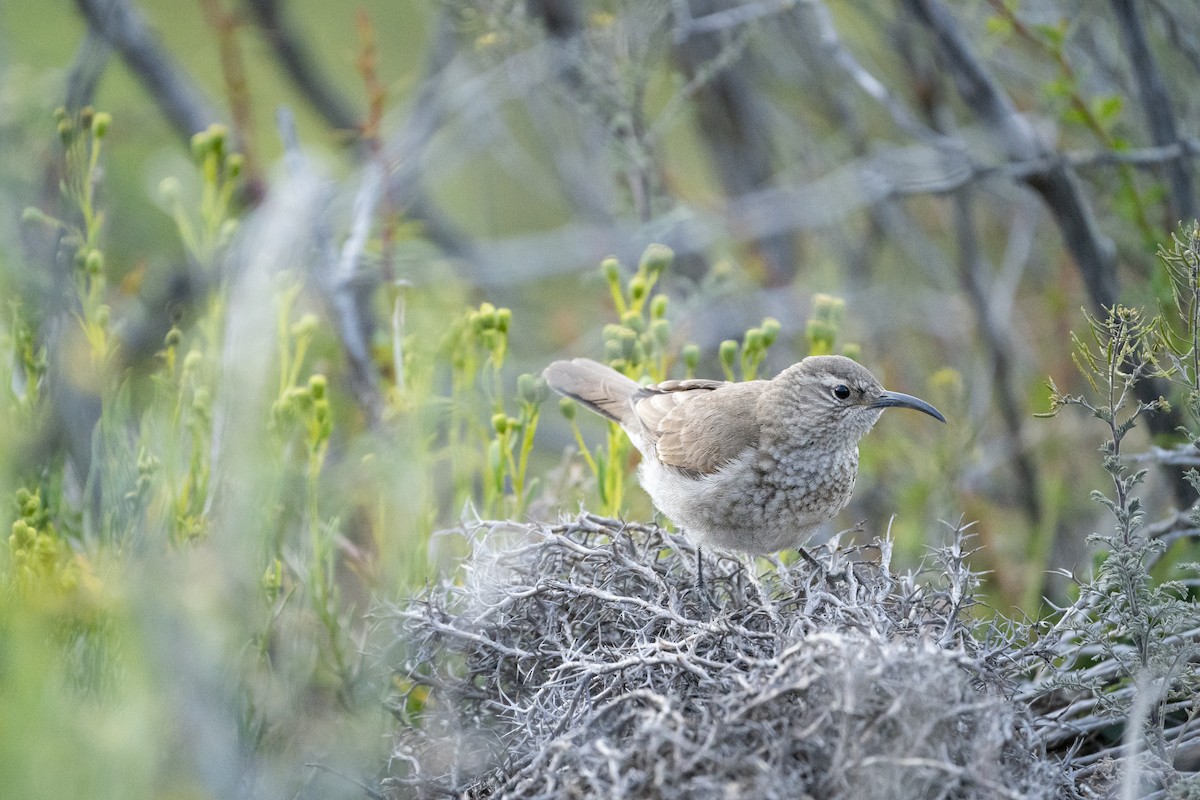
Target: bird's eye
x: 841, y: 391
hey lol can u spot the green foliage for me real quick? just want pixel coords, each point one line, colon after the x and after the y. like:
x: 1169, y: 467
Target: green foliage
x: 1136, y: 625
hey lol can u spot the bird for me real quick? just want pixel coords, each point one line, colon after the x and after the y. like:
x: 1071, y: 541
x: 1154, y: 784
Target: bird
x: 755, y: 466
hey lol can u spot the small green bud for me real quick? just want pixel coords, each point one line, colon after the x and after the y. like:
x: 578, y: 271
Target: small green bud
x: 770, y: 330
x: 566, y: 407
x: 218, y: 135
x: 234, y: 164
x: 691, y: 357
x: 532, y: 388
x: 637, y: 288
x: 305, y: 326
x: 317, y: 386
x: 192, y: 361
x: 500, y: 423
x: 655, y: 259
x: 199, y: 146
x: 660, y: 332
x: 487, y: 316
x: 728, y: 353
x: 174, y: 337
x: 820, y: 335
x: 629, y: 338
x: 619, y: 364
x: 32, y: 214
x: 612, y: 331
x: 100, y: 124
x: 169, y: 189
x: 658, y: 306
x: 612, y: 350
x: 753, y: 341
x: 503, y: 319
x: 852, y: 351
x: 272, y: 579
x: 637, y: 354
x: 103, y: 314
x: 60, y: 114
x: 612, y: 270
x: 66, y: 132
x: 22, y: 496
x: 86, y: 115
x: 829, y: 309
x: 201, y: 400
x: 633, y: 321
x: 94, y: 262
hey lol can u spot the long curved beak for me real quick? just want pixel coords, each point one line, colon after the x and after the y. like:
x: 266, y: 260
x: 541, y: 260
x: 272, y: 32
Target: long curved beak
x: 901, y: 400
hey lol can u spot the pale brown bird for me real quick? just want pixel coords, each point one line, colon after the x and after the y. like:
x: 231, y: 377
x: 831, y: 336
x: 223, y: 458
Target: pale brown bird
x: 755, y: 467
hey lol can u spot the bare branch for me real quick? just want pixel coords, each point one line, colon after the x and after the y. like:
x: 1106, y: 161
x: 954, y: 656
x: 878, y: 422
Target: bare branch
x: 301, y: 66
x: 124, y: 27
x: 1156, y: 103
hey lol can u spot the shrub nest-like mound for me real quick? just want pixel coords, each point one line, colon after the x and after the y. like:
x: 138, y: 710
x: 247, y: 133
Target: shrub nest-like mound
x: 587, y: 660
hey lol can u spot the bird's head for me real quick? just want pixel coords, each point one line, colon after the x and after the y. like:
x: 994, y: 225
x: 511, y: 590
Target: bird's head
x: 833, y: 394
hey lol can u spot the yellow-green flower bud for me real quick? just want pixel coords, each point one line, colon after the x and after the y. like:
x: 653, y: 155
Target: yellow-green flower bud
x: 94, y: 262
x: 201, y: 400
x: 193, y: 360
x: 612, y: 270
x: 103, y: 314
x: 234, y: 164
x: 829, y: 309
x: 217, y: 136
x: 612, y: 350
x: 820, y: 335
x: 199, y: 146
x: 691, y: 357
x: 169, y: 189
x: 660, y: 331
x: 60, y: 114
x: 753, y: 341
x: 500, y: 423
x: 628, y: 339
x: 770, y: 331
x: 852, y: 350
x: 173, y: 337
x: 656, y: 258
x: 317, y: 385
x: 637, y: 354
x: 728, y: 353
x: 487, y: 316
x: 612, y: 331
x: 503, y: 319
x: 305, y: 326
x: 637, y: 288
x: 658, y: 306
x: 32, y: 214
x: 100, y: 124
x: 86, y: 115
x: 272, y: 579
x: 532, y: 388
x: 633, y: 321
x: 66, y: 132
x: 566, y: 407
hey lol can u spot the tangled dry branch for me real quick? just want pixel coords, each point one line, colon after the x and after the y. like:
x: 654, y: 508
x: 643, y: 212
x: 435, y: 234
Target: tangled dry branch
x: 585, y: 660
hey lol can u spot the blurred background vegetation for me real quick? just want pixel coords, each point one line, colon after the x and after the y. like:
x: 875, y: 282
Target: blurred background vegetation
x: 278, y: 277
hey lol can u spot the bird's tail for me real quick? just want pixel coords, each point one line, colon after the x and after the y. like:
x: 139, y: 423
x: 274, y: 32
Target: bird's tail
x: 600, y: 388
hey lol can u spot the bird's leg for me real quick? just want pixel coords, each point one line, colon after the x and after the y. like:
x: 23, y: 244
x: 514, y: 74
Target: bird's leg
x: 807, y: 556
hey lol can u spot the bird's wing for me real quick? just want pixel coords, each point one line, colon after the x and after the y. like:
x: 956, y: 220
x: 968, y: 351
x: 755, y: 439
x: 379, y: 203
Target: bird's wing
x: 699, y: 425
